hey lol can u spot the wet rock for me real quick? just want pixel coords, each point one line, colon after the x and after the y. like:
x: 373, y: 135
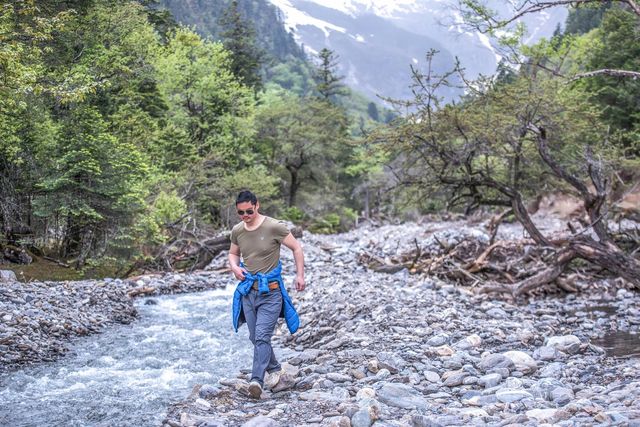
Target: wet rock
x: 565, y: 343
x: 208, y: 391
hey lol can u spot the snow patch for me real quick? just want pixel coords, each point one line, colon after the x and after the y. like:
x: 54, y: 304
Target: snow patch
x: 295, y: 18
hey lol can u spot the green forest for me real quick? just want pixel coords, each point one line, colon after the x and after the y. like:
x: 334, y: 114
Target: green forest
x: 124, y: 135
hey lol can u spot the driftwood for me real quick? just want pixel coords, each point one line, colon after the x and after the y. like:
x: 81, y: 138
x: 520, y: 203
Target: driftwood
x: 515, y: 267
x: 144, y: 290
x: 185, y: 252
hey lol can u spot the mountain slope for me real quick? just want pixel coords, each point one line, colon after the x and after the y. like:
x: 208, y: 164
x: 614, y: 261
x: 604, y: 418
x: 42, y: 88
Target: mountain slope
x: 377, y: 40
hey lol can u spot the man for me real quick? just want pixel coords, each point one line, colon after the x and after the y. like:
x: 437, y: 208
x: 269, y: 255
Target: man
x: 260, y: 297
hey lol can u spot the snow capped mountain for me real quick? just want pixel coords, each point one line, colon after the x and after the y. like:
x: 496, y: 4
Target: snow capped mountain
x: 377, y: 40
x: 382, y: 8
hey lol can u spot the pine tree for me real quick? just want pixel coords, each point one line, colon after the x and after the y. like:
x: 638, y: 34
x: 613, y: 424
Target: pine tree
x: 239, y: 37
x: 328, y: 82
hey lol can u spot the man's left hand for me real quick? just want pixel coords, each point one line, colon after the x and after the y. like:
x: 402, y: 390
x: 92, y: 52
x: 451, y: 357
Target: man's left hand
x: 299, y: 283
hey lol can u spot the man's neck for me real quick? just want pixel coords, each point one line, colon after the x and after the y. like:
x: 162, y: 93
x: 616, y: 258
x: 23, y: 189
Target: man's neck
x: 257, y: 222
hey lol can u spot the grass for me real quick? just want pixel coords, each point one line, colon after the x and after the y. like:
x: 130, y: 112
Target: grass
x: 43, y: 270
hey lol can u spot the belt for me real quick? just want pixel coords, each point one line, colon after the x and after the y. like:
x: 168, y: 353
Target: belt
x: 272, y: 286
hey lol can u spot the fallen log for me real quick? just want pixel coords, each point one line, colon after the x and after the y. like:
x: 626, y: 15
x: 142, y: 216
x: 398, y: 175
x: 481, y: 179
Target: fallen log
x: 604, y: 255
x: 144, y: 290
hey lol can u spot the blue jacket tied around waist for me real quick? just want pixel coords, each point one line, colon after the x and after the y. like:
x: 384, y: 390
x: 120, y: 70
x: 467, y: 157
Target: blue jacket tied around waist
x: 244, y: 287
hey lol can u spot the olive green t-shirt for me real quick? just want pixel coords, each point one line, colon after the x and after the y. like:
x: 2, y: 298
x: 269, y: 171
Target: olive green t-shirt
x: 260, y: 248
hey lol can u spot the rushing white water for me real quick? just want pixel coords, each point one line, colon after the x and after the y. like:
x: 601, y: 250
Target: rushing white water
x: 129, y: 374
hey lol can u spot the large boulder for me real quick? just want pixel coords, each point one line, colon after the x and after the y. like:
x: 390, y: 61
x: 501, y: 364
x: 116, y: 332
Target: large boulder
x: 8, y: 276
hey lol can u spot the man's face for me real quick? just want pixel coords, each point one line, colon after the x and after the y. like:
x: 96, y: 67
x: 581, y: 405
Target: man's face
x: 247, y: 211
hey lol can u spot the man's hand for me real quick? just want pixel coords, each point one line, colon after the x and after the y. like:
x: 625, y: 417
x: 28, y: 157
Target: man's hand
x: 299, y: 283
x: 238, y: 272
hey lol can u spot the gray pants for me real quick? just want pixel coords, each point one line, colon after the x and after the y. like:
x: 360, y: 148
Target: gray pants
x: 261, y: 313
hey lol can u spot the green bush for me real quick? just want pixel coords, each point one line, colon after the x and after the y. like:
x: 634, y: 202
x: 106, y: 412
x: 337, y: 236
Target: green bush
x: 293, y: 214
x: 333, y: 222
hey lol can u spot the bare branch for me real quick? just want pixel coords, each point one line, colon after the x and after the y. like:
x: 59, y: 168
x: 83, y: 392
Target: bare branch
x: 607, y: 72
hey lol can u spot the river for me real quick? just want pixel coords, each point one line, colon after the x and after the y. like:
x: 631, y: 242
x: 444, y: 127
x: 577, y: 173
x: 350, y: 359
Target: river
x: 128, y: 374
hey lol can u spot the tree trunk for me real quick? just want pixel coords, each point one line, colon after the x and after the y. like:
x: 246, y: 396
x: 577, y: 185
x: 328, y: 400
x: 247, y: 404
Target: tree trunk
x: 367, y: 209
x: 609, y: 257
x: 295, y: 185
x: 520, y: 211
x: 598, y: 253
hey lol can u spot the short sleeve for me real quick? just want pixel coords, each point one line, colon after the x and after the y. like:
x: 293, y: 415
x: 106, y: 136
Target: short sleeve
x: 281, y: 231
x: 234, y: 236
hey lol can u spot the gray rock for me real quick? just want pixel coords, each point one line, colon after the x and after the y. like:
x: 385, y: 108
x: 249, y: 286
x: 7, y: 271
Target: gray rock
x: 552, y: 370
x: 390, y: 361
x: 546, y: 353
x: 565, y: 343
x: 497, y: 313
x: 8, y: 276
x: 438, y: 340
x: 455, y: 378
x: 261, y: 421
x: 490, y: 380
x: 424, y: 421
x: 562, y: 395
x: 432, y: 376
x: 402, y: 396
x: 208, y: 391
x: 509, y: 395
x: 362, y: 418
x: 493, y: 361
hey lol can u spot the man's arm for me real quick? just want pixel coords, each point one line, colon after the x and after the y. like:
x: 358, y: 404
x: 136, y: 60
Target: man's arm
x: 234, y: 262
x: 298, y: 257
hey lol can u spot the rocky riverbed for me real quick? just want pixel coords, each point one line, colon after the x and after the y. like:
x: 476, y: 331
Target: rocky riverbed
x: 382, y: 349
x: 407, y: 350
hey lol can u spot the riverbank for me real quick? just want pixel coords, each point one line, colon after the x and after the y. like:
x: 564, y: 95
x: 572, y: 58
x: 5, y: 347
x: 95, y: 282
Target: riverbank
x: 400, y: 349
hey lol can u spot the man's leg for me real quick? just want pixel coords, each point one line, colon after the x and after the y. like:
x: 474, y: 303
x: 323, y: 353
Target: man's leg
x: 249, y: 310
x: 268, y: 308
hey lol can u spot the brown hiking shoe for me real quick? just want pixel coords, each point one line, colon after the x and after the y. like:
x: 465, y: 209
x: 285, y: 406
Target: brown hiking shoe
x: 255, y: 389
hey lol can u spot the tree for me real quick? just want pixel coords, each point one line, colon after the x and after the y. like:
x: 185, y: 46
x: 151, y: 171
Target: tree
x: 328, y: 82
x: 506, y: 143
x: 372, y: 110
x: 203, y: 96
x: 479, y: 17
x: 581, y: 20
x: 303, y: 138
x: 239, y: 38
x: 94, y: 183
x: 616, y: 45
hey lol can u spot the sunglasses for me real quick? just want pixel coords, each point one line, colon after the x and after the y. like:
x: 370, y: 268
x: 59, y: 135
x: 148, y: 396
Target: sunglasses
x: 248, y: 212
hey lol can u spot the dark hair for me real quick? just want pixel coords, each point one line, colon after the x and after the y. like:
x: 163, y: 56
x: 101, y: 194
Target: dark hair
x: 246, y: 196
